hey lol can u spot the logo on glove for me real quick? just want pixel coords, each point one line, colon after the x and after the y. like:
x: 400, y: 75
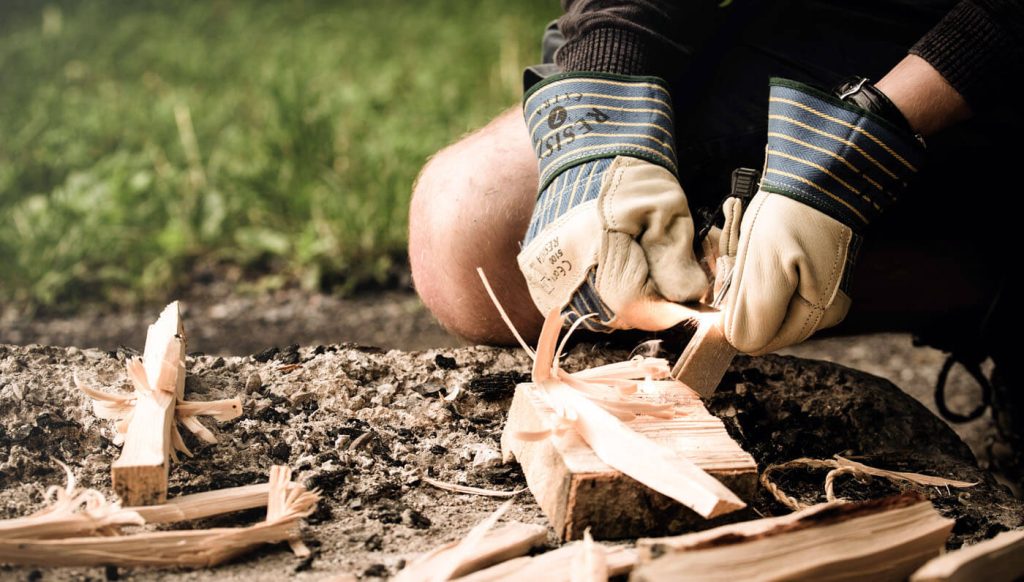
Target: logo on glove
x: 557, y: 117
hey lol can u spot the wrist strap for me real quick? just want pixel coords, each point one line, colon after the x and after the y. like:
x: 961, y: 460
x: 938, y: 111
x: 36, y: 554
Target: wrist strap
x: 574, y: 118
x: 861, y: 92
x: 849, y: 163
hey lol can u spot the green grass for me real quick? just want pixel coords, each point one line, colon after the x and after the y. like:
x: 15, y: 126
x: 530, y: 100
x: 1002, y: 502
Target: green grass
x: 310, y: 121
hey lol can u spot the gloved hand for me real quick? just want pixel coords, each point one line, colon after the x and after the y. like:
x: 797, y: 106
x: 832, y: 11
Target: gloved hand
x: 611, y: 232
x: 831, y: 168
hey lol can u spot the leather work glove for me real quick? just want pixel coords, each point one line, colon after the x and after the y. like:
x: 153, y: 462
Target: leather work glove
x: 832, y: 167
x: 611, y: 231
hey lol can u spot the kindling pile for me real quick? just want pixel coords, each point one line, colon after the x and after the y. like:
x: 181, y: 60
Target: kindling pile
x: 83, y: 527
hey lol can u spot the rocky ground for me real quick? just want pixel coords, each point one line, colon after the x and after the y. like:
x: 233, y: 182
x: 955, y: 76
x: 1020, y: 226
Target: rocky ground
x: 365, y: 425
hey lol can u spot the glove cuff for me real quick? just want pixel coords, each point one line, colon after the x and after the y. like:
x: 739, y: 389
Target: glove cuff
x: 845, y: 161
x: 574, y: 118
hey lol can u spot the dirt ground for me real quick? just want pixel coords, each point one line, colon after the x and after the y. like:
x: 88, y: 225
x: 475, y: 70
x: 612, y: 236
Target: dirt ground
x: 366, y: 424
x: 245, y: 323
x: 226, y: 323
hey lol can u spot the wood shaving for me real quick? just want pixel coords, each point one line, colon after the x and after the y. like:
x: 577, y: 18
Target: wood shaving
x: 471, y: 490
x: 120, y: 408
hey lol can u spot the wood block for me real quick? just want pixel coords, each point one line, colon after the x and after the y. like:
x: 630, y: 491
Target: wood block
x: 706, y: 358
x: 578, y: 490
x: 140, y: 474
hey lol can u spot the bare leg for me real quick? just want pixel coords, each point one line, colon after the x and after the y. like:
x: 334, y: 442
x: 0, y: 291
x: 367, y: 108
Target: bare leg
x: 470, y: 208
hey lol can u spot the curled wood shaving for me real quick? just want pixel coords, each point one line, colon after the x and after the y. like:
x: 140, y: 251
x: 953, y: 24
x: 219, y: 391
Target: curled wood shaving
x: 287, y: 504
x: 470, y: 490
x: 70, y: 511
x: 121, y: 407
x: 609, y: 386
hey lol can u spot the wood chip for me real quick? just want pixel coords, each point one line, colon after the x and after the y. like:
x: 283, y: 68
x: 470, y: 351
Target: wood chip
x: 139, y: 475
x: 590, y: 563
x: 503, y: 543
x: 470, y: 490
x: 554, y: 565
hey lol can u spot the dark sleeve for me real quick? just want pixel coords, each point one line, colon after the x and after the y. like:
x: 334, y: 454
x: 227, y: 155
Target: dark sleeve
x: 977, y: 47
x: 628, y: 38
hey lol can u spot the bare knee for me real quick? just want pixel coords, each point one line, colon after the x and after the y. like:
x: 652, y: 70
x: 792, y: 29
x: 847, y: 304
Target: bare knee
x: 470, y: 207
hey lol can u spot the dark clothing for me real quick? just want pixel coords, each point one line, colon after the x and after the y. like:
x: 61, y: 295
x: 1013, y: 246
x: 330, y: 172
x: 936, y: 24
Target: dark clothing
x: 976, y: 44
x: 979, y: 48
x: 946, y: 244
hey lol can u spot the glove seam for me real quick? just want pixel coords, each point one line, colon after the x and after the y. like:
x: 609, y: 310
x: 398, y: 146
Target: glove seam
x: 651, y: 79
x: 730, y: 332
x: 612, y: 152
x: 616, y: 181
x: 559, y: 221
x: 599, y: 272
x: 832, y: 286
x: 815, y: 309
x: 794, y: 192
x: 834, y: 276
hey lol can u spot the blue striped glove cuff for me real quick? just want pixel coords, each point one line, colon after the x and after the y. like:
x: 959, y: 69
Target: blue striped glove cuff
x: 611, y: 232
x: 835, y: 157
x: 574, y: 118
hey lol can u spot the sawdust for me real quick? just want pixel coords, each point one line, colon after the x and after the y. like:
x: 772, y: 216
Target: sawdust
x: 365, y: 425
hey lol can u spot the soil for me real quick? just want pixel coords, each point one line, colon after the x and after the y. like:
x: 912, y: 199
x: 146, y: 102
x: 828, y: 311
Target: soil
x: 364, y: 425
x: 238, y: 323
x: 233, y: 321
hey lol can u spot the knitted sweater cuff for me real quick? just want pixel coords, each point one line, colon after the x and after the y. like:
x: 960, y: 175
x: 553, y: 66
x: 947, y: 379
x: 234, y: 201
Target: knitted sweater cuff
x: 970, y: 50
x: 608, y: 50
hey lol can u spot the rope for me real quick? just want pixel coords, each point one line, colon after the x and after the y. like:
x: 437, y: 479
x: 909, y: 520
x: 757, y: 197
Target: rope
x: 836, y: 470
x: 831, y: 476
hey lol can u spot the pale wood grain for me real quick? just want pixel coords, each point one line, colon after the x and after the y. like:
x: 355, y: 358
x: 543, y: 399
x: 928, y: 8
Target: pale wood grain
x: 576, y: 489
x: 555, y: 565
x: 503, y: 543
x: 875, y: 540
x: 706, y: 357
x: 139, y: 475
x: 1000, y: 559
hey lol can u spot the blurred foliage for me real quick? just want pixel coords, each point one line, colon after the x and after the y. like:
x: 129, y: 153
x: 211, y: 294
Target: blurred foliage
x: 139, y: 139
